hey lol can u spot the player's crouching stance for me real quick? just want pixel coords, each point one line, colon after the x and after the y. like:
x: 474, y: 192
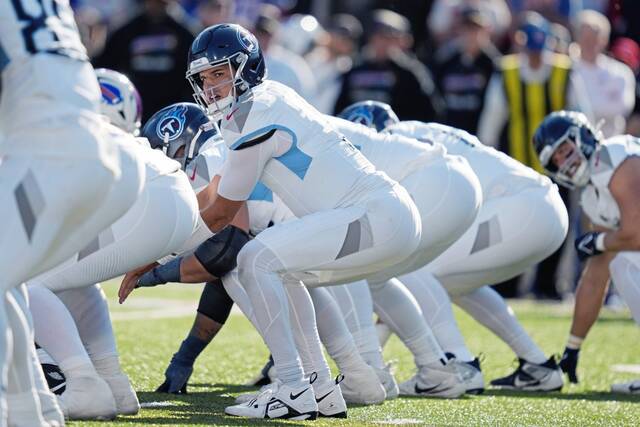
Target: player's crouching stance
x: 58, y: 163
x: 608, y: 173
x: 352, y: 221
x: 161, y: 220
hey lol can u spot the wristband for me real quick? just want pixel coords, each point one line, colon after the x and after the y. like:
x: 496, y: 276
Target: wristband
x: 169, y: 272
x: 599, y: 243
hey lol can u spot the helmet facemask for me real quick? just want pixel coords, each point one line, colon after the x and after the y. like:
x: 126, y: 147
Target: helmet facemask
x: 574, y: 170
x: 217, y: 106
x: 184, y: 153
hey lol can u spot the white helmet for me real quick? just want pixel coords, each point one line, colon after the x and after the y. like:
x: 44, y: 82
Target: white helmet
x: 120, y: 101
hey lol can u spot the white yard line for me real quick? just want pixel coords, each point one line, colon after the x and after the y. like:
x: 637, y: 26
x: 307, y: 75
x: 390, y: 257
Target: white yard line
x: 629, y: 369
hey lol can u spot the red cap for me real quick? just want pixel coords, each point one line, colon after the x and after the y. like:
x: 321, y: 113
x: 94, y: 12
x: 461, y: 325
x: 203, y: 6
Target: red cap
x: 626, y: 50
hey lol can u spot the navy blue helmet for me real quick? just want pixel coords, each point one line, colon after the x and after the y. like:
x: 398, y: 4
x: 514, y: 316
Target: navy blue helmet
x: 373, y: 114
x: 228, y: 44
x: 572, y: 127
x: 181, y: 125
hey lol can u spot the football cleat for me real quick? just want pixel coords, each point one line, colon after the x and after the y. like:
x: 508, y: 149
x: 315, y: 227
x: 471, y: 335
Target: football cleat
x: 632, y: 387
x: 87, y: 398
x: 438, y: 379
x: 176, y: 378
x: 123, y: 393
x: 388, y: 382
x: 362, y: 386
x: 533, y: 377
x: 329, y: 398
x: 279, y: 401
x: 472, y: 376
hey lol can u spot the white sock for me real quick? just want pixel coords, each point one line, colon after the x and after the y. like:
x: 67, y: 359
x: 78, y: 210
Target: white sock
x: 305, y: 331
x: 6, y: 348
x: 436, y: 309
x: 257, y: 267
x: 334, y: 333
x: 399, y: 310
x: 90, y: 312
x: 490, y: 309
x: 354, y: 301
x: 56, y: 333
x: 625, y: 272
x: 23, y: 402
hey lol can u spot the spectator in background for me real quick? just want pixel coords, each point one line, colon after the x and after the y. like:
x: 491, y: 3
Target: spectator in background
x: 283, y: 65
x: 444, y: 12
x: 388, y: 72
x: 529, y: 85
x: 333, y: 58
x: 609, y: 85
x: 624, y: 18
x: 560, y: 38
x: 463, y: 68
x: 151, y: 50
x: 299, y: 33
x: 93, y: 28
x: 626, y: 50
x: 213, y: 12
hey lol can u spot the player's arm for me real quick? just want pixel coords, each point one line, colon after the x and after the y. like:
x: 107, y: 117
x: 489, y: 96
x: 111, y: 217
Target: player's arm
x: 590, y: 295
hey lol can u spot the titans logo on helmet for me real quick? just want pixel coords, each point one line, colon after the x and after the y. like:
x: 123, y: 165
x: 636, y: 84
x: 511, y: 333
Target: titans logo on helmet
x: 248, y: 41
x: 361, y: 115
x: 110, y: 94
x: 172, y: 124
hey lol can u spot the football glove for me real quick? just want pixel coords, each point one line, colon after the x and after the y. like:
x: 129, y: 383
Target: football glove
x: 569, y: 363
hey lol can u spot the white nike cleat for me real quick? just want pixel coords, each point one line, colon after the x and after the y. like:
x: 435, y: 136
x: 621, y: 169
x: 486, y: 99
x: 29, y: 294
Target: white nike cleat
x: 51, y: 411
x: 87, y: 398
x: 438, y: 379
x: 362, y: 386
x: 329, y: 398
x: 632, y: 387
x: 472, y: 376
x: 388, y: 382
x: 280, y: 401
x: 529, y: 376
x: 124, y: 394
x: 245, y: 397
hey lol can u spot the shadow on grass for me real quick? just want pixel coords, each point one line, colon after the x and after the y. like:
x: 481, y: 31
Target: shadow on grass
x: 593, y: 396
x: 196, y: 407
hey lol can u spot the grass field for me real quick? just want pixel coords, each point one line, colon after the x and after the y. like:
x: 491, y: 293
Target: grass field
x: 152, y: 323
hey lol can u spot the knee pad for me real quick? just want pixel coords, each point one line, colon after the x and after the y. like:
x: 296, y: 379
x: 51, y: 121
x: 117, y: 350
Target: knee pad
x: 215, y: 302
x: 218, y: 255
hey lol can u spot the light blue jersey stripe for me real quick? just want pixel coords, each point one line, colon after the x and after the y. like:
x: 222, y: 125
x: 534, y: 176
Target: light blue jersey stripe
x: 261, y: 193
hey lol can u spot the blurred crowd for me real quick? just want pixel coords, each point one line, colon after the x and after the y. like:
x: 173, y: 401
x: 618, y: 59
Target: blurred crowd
x: 492, y: 67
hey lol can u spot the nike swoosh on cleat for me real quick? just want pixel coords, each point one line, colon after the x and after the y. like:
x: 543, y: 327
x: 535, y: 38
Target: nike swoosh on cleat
x: 295, y: 396
x: 425, y: 390
x: 323, y: 397
x: 634, y: 387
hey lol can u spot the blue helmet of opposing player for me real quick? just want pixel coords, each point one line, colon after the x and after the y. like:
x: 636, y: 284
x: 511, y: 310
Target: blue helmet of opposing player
x: 565, y: 141
x: 180, y: 130
x: 373, y: 114
x: 224, y: 45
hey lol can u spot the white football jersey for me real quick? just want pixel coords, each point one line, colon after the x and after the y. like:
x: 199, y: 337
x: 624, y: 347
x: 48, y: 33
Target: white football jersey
x: 498, y: 173
x: 265, y: 208
x: 596, y: 198
x: 394, y: 154
x: 276, y: 137
x: 44, y: 65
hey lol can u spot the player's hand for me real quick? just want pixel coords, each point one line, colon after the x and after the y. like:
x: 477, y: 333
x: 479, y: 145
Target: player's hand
x: 131, y: 280
x: 569, y: 363
x: 586, y: 245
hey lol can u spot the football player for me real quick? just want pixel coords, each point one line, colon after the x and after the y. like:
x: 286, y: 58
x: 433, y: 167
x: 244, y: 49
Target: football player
x: 607, y: 171
x: 65, y: 176
x: 491, y: 250
x: 159, y: 223
x: 351, y: 220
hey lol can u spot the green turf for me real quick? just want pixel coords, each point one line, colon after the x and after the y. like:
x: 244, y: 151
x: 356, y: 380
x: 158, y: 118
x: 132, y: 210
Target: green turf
x: 146, y: 344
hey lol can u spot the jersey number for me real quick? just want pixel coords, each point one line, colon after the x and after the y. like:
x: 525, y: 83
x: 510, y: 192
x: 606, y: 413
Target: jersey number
x: 43, y: 23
